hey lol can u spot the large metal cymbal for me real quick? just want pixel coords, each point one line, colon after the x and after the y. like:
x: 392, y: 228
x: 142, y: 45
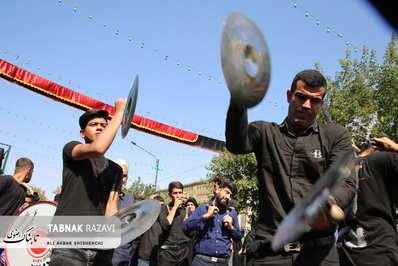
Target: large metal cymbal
x: 245, y: 60
x: 130, y: 107
x: 298, y: 221
x: 137, y: 218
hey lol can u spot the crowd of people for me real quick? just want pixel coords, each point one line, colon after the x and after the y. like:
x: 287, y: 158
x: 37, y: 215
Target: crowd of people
x: 291, y: 157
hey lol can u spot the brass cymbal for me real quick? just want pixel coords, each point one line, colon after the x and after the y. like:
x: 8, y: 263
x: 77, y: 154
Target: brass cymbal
x: 245, y: 60
x: 137, y: 218
x: 130, y: 107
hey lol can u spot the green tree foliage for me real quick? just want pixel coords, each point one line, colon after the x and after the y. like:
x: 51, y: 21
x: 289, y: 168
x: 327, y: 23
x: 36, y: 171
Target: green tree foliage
x: 57, y: 190
x: 240, y: 170
x: 40, y: 192
x: 364, y: 94
x: 139, y: 189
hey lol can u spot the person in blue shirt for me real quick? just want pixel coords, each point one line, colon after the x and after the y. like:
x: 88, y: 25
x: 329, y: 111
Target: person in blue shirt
x: 215, y: 225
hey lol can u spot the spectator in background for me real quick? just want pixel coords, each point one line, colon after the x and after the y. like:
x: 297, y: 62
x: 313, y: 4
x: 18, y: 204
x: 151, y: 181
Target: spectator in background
x: 13, y: 191
x: 160, y: 199
x: 236, y: 245
x: 191, y: 204
x: 174, y: 247
x: 135, y: 253
x: 184, y: 197
x: 13, y: 188
x: 149, y: 246
x: 217, y: 180
x: 121, y: 255
x: 215, y: 225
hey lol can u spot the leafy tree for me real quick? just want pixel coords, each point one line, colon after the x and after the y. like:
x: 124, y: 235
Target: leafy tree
x: 363, y: 94
x: 57, y: 190
x: 139, y: 189
x: 40, y: 192
x: 240, y: 170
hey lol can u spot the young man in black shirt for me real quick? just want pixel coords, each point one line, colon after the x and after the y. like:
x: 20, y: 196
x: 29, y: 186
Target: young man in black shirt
x: 174, y: 247
x: 13, y: 191
x: 90, y: 182
x: 12, y: 188
x: 291, y: 157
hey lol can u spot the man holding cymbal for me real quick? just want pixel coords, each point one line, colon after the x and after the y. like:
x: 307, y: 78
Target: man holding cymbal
x: 90, y: 182
x: 291, y: 157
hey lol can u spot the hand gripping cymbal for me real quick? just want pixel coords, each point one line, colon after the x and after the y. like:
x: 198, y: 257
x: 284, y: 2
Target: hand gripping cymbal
x: 299, y: 219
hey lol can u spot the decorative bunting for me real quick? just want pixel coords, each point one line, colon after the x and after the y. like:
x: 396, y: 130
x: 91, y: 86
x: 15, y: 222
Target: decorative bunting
x: 59, y: 93
x: 318, y: 22
x: 130, y: 38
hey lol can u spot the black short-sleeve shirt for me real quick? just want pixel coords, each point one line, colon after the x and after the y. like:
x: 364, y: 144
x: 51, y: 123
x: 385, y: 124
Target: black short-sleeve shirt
x: 86, y: 184
x: 12, y: 195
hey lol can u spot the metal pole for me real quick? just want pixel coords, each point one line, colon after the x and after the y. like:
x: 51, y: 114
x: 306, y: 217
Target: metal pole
x: 157, y: 161
x: 157, y: 169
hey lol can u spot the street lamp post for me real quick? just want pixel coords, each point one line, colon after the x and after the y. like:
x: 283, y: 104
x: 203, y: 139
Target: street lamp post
x: 157, y: 161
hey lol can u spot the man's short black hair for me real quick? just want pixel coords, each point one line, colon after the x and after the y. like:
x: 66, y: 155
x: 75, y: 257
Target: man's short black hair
x: 23, y: 163
x: 219, y: 179
x: 228, y: 184
x: 175, y: 184
x: 90, y: 114
x: 159, y: 198
x: 311, y: 77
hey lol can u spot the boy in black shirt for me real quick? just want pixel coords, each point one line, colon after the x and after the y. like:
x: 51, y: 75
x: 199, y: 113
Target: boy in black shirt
x: 90, y: 183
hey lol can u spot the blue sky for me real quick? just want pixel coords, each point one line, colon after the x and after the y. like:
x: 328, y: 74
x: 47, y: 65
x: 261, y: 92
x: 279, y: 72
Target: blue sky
x: 102, y: 64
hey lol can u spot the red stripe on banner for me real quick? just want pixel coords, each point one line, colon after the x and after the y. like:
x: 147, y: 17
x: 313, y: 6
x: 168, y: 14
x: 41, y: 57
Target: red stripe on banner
x: 57, y: 92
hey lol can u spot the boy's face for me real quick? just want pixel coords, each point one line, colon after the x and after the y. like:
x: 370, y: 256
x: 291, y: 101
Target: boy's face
x: 93, y: 129
x: 176, y: 193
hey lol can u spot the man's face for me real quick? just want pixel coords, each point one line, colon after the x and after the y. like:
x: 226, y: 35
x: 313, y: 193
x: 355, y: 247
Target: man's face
x: 224, y: 196
x: 184, y: 197
x: 125, y: 176
x: 29, y: 175
x: 191, y: 206
x: 176, y: 193
x: 304, y: 104
x: 94, y: 127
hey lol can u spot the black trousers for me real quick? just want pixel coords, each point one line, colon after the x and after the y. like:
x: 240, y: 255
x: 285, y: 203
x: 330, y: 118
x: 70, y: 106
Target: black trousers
x: 170, y: 257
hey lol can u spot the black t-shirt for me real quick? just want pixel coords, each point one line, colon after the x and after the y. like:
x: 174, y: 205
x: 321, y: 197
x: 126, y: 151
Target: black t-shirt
x: 172, y: 233
x: 12, y: 195
x: 370, y: 235
x: 86, y: 184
